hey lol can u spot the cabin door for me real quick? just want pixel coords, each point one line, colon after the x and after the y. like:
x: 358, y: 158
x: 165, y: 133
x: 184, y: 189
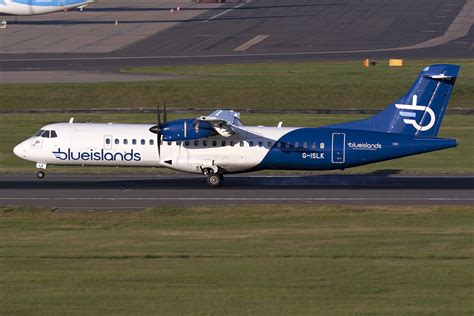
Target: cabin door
x: 338, y: 149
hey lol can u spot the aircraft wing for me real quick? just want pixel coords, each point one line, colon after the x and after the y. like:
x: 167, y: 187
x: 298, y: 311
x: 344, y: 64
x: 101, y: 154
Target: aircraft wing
x: 226, y: 123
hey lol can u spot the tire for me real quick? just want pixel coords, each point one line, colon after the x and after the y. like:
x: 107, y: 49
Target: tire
x: 214, y: 179
x: 40, y: 174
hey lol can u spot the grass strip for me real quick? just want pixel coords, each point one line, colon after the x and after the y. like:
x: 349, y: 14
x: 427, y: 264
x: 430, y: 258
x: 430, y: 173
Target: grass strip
x: 244, y: 259
x: 275, y: 86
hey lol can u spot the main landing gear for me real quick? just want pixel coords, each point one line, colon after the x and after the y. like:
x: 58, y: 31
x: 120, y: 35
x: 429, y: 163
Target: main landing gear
x: 214, y: 179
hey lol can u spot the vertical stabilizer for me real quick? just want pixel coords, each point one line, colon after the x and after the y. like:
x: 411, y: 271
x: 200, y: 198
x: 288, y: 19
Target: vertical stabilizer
x: 420, y: 111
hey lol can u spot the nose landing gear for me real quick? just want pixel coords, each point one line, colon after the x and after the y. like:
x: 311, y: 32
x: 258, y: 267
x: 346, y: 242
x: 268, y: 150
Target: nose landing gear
x: 40, y: 173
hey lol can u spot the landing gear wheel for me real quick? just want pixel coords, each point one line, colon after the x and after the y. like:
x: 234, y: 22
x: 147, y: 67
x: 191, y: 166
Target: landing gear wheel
x: 40, y: 174
x: 215, y: 179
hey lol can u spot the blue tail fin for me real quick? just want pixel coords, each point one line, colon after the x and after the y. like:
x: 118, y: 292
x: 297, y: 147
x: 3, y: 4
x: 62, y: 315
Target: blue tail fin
x: 420, y: 111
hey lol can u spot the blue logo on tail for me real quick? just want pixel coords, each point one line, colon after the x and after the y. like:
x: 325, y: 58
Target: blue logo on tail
x: 412, y: 115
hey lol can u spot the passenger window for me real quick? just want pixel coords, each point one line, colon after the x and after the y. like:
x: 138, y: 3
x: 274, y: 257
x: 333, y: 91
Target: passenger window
x: 223, y: 143
x: 313, y: 146
x: 321, y: 145
x: 53, y: 134
x: 204, y: 143
x: 169, y: 143
x: 178, y: 143
x: 287, y: 145
x: 196, y: 143
x: 107, y: 141
x: 260, y: 144
x: 297, y: 145
x: 232, y: 143
x: 134, y: 141
x: 186, y: 143
x: 214, y: 143
x: 305, y: 145
x: 39, y: 133
x: 125, y: 141
x: 278, y: 144
x: 152, y: 142
x: 251, y: 144
x: 45, y: 134
x: 117, y: 141
x: 269, y: 144
x: 242, y: 144
x: 142, y: 142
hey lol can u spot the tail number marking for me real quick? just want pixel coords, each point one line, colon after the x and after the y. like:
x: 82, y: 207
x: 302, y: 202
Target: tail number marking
x: 312, y: 155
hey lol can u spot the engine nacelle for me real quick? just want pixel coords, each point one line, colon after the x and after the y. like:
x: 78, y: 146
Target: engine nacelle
x: 186, y: 129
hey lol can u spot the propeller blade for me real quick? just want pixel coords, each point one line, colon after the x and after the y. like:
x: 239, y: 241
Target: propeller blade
x: 158, y: 128
x: 158, y: 139
x: 158, y: 114
x: 165, y: 114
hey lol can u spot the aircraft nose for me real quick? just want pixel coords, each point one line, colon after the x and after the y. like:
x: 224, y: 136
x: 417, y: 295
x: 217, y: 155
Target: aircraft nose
x: 19, y: 150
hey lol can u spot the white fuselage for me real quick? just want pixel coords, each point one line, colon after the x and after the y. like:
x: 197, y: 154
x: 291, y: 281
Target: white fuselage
x: 90, y: 144
x: 34, y: 7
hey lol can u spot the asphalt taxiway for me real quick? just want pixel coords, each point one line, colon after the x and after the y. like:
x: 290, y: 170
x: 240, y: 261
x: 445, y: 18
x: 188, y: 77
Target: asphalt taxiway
x: 114, y: 192
x: 250, y: 31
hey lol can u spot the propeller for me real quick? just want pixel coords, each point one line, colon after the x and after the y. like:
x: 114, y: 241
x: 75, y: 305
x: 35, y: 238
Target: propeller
x: 157, y: 129
x: 165, y: 116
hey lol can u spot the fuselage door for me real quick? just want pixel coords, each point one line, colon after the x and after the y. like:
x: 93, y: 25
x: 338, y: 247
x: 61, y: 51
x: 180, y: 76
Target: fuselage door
x: 108, y: 142
x: 338, y: 149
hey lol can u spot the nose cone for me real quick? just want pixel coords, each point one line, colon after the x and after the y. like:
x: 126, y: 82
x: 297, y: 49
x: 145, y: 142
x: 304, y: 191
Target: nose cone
x: 20, y: 150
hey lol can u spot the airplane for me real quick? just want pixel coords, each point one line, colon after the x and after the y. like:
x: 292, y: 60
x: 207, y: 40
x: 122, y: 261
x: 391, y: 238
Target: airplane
x: 219, y: 143
x: 33, y: 7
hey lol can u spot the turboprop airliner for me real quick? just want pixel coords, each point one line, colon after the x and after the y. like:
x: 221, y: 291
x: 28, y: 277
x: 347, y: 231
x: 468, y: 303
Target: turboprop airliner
x: 219, y: 143
x: 33, y: 7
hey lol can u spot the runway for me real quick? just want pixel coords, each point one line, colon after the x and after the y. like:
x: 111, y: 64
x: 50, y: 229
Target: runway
x: 262, y: 31
x: 115, y: 192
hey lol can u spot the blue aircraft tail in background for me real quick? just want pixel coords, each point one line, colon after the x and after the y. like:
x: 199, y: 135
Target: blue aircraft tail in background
x: 420, y: 111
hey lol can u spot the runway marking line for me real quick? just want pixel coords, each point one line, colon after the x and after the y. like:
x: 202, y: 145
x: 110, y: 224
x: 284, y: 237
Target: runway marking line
x: 236, y: 199
x: 252, y: 42
x: 225, y: 12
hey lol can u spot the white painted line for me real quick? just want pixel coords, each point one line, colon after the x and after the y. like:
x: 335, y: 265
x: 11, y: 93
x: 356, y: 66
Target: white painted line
x: 234, y: 199
x: 252, y: 42
x: 225, y: 12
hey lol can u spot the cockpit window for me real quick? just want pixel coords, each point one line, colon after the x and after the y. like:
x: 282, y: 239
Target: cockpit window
x: 46, y: 133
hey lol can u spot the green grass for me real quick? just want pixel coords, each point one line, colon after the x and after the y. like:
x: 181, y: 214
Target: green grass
x: 310, y: 85
x: 17, y: 127
x: 238, y: 260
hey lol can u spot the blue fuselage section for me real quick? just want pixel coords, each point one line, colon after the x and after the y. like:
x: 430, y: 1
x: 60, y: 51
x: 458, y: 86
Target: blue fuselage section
x: 328, y: 148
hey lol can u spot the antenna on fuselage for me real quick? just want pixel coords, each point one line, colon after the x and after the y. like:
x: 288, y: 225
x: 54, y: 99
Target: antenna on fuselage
x: 71, y: 120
